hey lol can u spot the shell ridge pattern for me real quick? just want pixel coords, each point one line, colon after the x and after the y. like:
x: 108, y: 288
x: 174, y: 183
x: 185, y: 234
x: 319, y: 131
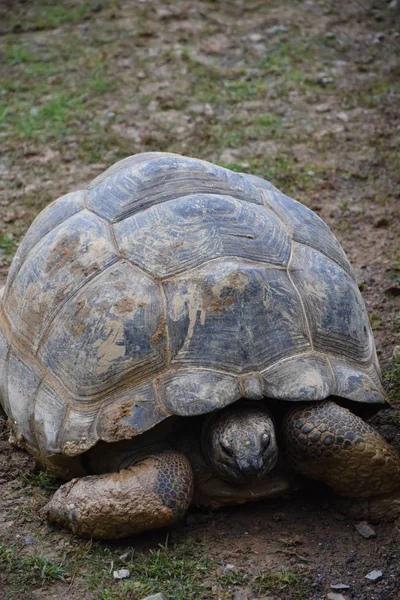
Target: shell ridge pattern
x: 132, y: 189
x: 195, y: 228
x: 5, y: 375
x: 339, y: 326
x: 222, y: 259
x: 40, y: 241
x: 111, y: 263
x: 307, y: 321
x: 274, y: 199
x: 32, y: 420
x: 115, y: 328
x: 268, y: 205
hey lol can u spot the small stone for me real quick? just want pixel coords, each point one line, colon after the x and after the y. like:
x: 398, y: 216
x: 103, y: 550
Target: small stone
x: 121, y: 574
x: 365, y: 530
x: 323, y: 80
x: 331, y: 596
x: 277, y: 29
x: 340, y: 586
x: 343, y: 116
x: 155, y: 597
x: 255, y: 37
x: 321, y: 108
x: 229, y: 567
x: 126, y: 556
x: 29, y: 540
x: 374, y: 576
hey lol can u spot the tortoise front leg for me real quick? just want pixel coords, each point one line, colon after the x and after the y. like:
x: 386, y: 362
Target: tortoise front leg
x: 330, y: 444
x: 153, y: 493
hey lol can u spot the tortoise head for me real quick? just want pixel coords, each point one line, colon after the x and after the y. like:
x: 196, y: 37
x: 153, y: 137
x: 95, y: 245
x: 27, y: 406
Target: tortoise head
x: 239, y: 443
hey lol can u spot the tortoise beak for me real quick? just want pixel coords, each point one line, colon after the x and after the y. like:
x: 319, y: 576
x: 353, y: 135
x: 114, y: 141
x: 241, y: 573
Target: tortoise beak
x: 256, y: 466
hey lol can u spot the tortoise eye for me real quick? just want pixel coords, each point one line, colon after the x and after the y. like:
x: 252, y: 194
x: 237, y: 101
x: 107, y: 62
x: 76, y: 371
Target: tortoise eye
x: 226, y: 449
x: 265, y: 441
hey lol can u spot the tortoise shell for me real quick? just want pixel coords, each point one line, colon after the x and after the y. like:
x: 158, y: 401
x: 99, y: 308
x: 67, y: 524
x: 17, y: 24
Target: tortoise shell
x: 171, y: 286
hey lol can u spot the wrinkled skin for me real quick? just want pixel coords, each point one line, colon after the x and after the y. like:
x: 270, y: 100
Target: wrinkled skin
x: 235, y: 461
x: 240, y: 444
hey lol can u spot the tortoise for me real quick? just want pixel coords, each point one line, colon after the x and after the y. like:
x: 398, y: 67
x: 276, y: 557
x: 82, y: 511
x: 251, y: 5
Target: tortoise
x: 180, y: 333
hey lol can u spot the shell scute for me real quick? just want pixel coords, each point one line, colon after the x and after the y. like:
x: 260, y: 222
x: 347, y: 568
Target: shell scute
x: 256, y: 306
x: 50, y: 410
x: 69, y: 256
x: 183, y: 233
x: 105, y: 334
x: 334, y: 306
x: 189, y: 392
x: 51, y: 217
x: 305, y: 226
x: 23, y: 383
x: 146, y: 183
x: 126, y: 417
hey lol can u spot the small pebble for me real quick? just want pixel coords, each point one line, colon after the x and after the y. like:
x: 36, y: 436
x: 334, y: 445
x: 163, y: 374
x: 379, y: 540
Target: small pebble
x: 277, y: 29
x: 121, y: 574
x: 340, y: 586
x: 125, y: 557
x: 229, y: 567
x: 29, y: 540
x: 365, y: 530
x: 374, y: 576
x: 343, y: 116
x: 255, y: 37
x: 155, y: 597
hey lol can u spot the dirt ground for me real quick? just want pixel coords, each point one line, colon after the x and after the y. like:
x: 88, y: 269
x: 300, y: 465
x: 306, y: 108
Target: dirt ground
x: 303, y: 93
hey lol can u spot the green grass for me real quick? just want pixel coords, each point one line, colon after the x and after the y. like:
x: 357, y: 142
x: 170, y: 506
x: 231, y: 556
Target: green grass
x: 30, y: 569
x: 47, y: 15
x: 8, y: 246
x: 182, y: 571
x: 41, y: 479
x: 178, y: 571
x: 376, y: 321
x: 293, y: 584
x: 392, y: 378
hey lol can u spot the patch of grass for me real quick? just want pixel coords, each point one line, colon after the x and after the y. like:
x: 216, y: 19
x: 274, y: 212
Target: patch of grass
x: 179, y: 571
x: 292, y: 584
x: 47, y: 15
x: 8, y: 246
x: 30, y: 569
x: 17, y: 54
x: 233, y: 578
x: 376, y: 321
x: 266, y: 120
x: 392, y: 378
x: 41, y: 479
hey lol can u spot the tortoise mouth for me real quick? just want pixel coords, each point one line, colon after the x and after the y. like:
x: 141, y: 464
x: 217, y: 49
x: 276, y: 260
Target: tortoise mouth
x: 248, y: 470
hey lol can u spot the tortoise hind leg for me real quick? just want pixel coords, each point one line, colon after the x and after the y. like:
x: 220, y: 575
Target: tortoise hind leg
x: 153, y: 493
x: 330, y: 444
